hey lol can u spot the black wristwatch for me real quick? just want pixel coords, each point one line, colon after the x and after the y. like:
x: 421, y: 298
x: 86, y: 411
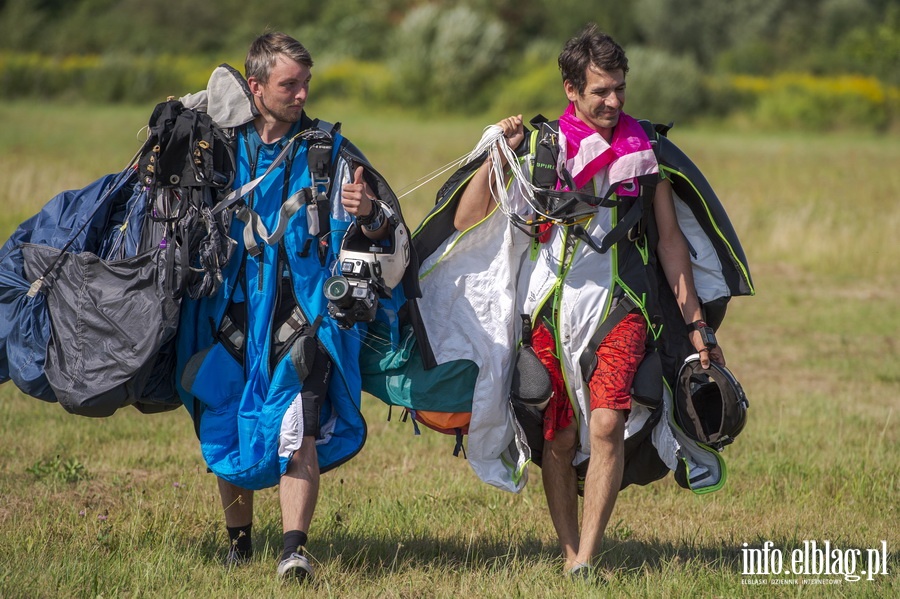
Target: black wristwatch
x: 374, y: 219
x: 707, y: 334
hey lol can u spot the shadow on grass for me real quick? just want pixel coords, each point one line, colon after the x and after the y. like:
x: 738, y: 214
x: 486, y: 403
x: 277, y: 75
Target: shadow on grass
x: 657, y: 556
x: 372, y: 556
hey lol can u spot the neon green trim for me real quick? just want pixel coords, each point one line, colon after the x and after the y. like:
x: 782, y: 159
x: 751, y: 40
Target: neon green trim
x: 643, y: 249
x: 606, y: 308
x: 535, y: 249
x: 432, y: 215
x: 722, y: 467
x: 462, y: 233
x: 532, y: 152
x: 509, y: 467
x: 741, y: 266
x: 555, y: 294
x: 519, y: 473
x: 639, y: 301
x: 515, y: 473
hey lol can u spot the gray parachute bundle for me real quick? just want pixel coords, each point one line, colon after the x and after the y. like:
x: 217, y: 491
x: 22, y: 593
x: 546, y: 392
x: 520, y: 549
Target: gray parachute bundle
x: 91, y: 286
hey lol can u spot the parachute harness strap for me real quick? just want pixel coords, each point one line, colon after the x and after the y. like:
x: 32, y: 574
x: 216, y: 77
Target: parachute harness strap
x: 321, y: 143
x: 567, y: 208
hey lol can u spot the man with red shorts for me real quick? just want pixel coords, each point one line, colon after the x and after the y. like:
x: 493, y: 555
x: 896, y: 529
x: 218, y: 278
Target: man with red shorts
x: 569, y: 288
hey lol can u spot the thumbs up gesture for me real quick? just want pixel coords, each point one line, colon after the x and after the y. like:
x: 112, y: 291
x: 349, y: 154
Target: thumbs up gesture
x: 357, y: 197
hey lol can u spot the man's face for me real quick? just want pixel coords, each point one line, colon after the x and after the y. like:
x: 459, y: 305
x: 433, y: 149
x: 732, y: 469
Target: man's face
x: 283, y: 96
x: 601, y: 103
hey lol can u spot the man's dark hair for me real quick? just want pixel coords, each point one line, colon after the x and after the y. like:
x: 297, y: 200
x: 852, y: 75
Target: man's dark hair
x: 266, y: 49
x: 591, y: 47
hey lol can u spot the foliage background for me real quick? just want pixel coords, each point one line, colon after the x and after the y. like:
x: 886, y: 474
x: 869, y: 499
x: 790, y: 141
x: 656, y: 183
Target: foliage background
x: 123, y: 507
x: 816, y: 64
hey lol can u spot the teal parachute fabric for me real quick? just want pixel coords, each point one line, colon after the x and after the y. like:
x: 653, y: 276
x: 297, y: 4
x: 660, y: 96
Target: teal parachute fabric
x: 399, y: 376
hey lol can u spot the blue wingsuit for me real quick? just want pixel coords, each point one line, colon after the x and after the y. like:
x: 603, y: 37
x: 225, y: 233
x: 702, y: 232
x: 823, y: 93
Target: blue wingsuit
x: 239, y: 410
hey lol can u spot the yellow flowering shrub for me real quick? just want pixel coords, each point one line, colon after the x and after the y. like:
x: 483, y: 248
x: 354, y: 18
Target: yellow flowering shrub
x: 101, y: 78
x: 809, y: 102
x: 360, y: 80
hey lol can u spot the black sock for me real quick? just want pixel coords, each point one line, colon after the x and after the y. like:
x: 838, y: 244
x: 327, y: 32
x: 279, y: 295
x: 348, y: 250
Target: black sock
x: 240, y: 540
x: 293, y: 541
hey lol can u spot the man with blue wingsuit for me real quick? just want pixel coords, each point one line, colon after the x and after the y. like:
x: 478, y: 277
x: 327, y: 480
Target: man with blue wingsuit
x: 271, y: 380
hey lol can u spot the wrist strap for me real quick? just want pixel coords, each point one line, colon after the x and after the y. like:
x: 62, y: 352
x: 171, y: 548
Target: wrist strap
x: 696, y: 325
x: 374, y: 219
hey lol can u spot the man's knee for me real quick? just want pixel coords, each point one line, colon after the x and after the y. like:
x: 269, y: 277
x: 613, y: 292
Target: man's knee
x: 306, y: 451
x: 607, y: 426
x: 562, y: 446
x: 304, y: 459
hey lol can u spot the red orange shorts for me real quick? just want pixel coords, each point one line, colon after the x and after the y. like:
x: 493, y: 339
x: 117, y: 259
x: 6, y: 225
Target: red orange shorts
x: 618, y: 357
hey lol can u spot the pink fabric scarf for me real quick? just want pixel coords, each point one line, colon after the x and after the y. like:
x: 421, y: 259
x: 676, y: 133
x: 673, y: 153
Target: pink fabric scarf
x: 584, y: 152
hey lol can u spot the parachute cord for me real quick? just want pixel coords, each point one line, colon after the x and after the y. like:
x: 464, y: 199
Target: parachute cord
x: 494, y: 143
x: 492, y: 134
x: 428, y: 178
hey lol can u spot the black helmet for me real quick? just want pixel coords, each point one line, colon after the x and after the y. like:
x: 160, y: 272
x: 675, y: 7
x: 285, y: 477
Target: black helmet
x: 710, y: 404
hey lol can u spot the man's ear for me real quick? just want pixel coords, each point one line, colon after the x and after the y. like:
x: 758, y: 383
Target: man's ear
x: 571, y: 92
x: 254, y: 85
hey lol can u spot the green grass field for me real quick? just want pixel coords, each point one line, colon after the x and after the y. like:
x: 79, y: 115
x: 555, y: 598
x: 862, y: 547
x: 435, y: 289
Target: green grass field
x: 123, y: 506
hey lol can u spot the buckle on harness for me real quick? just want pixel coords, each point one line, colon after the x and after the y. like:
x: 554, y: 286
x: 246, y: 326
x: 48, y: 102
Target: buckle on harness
x: 293, y: 324
x: 636, y: 232
x: 321, y: 185
x: 319, y: 157
x: 231, y: 337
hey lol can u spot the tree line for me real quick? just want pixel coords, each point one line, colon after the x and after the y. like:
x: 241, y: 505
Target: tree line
x: 758, y: 37
x: 460, y: 54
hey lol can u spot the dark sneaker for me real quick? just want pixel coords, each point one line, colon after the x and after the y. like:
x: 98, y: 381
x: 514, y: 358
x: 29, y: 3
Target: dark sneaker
x: 296, y: 567
x: 236, y: 558
x: 580, y: 572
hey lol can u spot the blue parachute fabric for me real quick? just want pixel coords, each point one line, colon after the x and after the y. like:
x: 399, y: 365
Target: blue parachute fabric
x: 90, y: 287
x: 238, y: 410
x: 76, y: 216
x: 129, y: 234
x: 26, y: 342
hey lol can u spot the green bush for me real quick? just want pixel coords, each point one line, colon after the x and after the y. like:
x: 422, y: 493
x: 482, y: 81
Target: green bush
x: 531, y: 91
x: 532, y: 86
x: 431, y: 73
x: 410, y: 59
x: 354, y: 79
x: 109, y: 78
x: 444, y: 57
x: 725, y: 98
x: 660, y: 87
x: 663, y: 87
x: 805, y: 102
x: 35, y: 76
